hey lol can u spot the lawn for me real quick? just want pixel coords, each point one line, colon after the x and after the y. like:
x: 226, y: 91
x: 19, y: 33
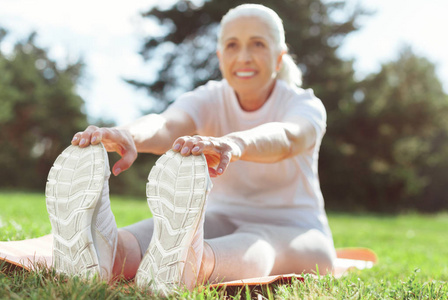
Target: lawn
x: 412, y: 251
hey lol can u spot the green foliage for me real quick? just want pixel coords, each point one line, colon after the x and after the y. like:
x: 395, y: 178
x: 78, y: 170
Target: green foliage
x: 39, y: 112
x: 391, y: 146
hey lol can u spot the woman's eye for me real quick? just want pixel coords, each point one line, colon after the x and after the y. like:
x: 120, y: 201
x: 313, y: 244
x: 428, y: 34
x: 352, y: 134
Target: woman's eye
x: 231, y: 45
x: 259, y: 44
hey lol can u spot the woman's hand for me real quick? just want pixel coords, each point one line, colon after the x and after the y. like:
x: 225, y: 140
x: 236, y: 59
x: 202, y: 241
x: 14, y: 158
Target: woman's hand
x: 219, y: 152
x: 114, y: 140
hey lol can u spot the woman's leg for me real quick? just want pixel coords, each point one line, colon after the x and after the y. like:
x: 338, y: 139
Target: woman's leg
x: 128, y: 255
x: 308, y: 251
x: 256, y: 250
x: 133, y: 241
x: 234, y: 252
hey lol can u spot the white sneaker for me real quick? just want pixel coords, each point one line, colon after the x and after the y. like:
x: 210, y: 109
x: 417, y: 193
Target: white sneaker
x: 83, y: 226
x: 177, y: 190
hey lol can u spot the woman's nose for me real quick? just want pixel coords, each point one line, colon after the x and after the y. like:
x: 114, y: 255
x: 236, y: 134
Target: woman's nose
x: 244, y: 55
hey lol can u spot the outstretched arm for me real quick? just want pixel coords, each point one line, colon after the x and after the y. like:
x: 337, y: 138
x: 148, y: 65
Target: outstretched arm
x: 155, y: 133
x: 267, y: 143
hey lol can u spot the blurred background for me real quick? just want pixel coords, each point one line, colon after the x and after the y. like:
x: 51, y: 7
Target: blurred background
x: 379, y: 66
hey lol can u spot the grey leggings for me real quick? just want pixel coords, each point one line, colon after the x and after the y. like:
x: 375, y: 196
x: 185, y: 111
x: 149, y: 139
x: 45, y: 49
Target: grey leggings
x: 247, y: 249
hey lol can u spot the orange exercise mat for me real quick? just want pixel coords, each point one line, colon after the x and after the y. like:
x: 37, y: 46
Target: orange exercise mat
x: 34, y: 253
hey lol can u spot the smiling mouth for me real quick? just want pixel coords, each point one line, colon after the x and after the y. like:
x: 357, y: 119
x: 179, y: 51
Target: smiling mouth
x: 245, y: 74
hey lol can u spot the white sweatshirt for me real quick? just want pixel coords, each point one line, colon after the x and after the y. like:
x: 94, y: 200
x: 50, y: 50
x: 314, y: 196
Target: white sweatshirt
x: 289, y: 188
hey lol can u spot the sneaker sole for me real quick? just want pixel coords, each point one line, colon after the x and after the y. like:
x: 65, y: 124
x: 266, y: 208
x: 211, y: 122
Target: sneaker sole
x: 176, y: 196
x: 73, y: 188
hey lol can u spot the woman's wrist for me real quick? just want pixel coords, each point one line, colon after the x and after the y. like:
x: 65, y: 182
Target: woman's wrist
x: 237, y: 144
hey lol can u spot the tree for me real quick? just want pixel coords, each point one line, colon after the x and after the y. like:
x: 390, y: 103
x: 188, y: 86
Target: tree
x: 39, y: 112
x: 396, y: 151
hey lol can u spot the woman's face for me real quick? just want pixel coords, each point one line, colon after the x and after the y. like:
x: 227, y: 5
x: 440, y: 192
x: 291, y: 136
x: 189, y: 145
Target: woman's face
x: 248, y: 57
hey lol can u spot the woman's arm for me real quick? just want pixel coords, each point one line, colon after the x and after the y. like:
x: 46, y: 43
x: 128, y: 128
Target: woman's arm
x: 155, y: 133
x: 267, y: 143
x: 273, y: 142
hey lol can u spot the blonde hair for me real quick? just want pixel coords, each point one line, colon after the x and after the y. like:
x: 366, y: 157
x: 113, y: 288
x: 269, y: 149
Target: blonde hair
x: 289, y: 71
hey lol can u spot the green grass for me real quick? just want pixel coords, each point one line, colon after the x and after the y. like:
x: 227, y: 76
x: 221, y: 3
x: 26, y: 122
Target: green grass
x: 24, y: 215
x: 412, y: 251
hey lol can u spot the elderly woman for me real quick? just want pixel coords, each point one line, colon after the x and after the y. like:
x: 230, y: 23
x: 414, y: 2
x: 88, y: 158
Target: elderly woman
x: 255, y: 132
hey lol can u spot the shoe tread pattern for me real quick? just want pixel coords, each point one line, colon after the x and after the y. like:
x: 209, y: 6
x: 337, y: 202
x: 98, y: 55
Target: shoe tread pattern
x: 176, y: 191
x: 73, y: 189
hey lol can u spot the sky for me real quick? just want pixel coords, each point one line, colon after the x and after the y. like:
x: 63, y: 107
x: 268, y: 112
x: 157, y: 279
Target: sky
x: 107, y: 35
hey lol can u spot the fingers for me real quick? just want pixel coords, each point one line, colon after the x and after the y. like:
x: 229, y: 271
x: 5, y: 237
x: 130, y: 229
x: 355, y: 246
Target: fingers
x: 217, y: 152
x: 120, y: 141
x: 224, y: 162
x: 212, y: 172
x: 187, y: 145
x: 114, y: 140
x: 92, y: 135
x: 126, y: 161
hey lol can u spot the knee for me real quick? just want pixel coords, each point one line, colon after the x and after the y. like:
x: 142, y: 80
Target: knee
x: 314, y: 253
x: 259, y: 259
x: 243, y: 254
x: 313, y: 262
x: 324, y: 262
x: 260, y: 255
